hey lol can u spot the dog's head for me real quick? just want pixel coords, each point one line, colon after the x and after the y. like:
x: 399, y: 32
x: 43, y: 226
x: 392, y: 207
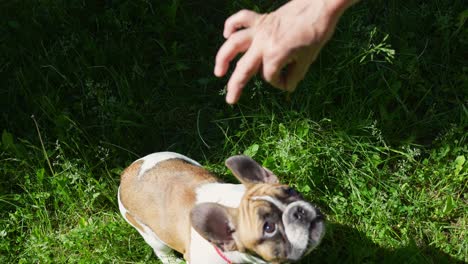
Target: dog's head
x: 273, y: 221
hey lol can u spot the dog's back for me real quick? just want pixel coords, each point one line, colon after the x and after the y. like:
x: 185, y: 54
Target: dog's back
x: 154, y: 192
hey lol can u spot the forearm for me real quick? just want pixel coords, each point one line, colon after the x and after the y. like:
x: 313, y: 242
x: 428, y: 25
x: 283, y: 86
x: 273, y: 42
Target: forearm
x: 339, y: 6
x: 330, y: 9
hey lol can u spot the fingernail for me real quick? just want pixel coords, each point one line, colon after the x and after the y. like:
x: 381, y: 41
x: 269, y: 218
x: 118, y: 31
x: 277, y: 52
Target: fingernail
x: 230, y: 98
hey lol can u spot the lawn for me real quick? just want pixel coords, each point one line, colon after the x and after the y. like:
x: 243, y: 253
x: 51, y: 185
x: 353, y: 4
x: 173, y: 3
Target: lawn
x: 376, y: 135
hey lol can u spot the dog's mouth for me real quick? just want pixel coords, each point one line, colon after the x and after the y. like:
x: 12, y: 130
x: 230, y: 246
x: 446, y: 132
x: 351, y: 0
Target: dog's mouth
x: 316, y: 232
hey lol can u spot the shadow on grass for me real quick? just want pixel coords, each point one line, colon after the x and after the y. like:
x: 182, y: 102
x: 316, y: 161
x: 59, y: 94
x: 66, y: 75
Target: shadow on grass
x: 344, y: 244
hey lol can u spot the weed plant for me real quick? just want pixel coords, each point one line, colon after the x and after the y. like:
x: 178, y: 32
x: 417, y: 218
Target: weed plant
x: 376, y: 135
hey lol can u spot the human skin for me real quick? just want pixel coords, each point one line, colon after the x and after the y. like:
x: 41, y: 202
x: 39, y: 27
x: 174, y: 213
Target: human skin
x: 280, y: 45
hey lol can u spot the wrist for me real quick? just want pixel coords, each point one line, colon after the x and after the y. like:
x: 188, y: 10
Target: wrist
x: 337, y: 7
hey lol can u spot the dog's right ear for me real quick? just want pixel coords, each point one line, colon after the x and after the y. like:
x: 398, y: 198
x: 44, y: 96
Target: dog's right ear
x: 215, y: 223
x: 249, y: 172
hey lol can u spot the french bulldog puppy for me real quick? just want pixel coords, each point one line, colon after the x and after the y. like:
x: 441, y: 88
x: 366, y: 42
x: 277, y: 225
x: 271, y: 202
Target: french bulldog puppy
x: 175, y: 204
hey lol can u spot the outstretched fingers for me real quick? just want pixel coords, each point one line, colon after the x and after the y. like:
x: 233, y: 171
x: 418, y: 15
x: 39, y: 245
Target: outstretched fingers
x: 246, y: 67
x: 238, y: 42
x: 241, y: 19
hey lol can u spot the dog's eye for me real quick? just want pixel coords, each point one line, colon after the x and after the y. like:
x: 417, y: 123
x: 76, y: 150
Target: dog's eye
x: 291, y: 192
x: 269, y: 229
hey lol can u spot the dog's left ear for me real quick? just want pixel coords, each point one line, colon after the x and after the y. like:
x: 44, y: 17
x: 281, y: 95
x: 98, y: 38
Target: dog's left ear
x: 215, y: 223
x: 249, y: 172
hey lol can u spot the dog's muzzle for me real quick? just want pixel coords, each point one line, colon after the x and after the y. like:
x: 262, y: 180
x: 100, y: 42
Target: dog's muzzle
x: 304, y: 228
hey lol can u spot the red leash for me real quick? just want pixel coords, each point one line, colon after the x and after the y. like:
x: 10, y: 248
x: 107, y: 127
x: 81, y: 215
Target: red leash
x: 220, y: 253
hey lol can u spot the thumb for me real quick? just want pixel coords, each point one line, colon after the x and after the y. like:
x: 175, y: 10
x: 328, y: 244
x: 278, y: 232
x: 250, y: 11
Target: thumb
x: 292, y: 74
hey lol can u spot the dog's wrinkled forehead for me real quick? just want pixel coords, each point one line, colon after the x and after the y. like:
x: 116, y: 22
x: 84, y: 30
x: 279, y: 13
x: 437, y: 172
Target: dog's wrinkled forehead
x: 275, y: 194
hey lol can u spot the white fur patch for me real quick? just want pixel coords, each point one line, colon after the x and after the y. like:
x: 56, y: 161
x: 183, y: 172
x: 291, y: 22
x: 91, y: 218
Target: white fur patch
x: 202, y: 251
x: 238, y: 257
x: 151, y: 160
x: 222, y: 193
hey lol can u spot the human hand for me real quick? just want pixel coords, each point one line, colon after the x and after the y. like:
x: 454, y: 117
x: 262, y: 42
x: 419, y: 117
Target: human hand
x: 281, y: 45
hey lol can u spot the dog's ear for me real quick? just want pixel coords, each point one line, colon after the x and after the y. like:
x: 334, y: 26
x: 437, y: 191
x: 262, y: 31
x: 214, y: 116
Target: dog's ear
x: 215, y: 223
x: 249, y: 172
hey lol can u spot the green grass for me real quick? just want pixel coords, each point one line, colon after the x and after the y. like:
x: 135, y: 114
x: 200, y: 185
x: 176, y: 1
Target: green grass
x: 375, y: 135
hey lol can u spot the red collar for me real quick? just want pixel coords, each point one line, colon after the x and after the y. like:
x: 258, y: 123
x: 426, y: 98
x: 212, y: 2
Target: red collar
x: 220, y: 253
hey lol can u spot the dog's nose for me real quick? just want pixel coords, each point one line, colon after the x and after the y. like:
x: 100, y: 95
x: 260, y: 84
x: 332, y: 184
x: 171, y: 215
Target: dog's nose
x: 299, y: 213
